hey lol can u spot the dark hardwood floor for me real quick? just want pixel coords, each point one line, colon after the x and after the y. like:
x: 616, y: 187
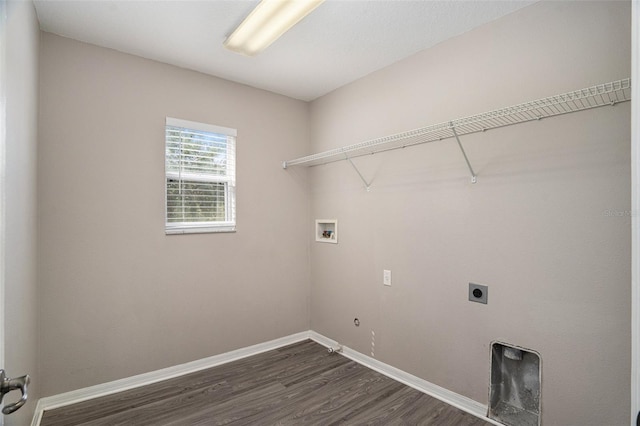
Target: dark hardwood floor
x: 294, y: 385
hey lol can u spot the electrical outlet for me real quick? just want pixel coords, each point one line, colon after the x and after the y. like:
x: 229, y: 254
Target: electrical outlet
x: 373, y: 344
x: 478, y: 293
x: 386, y: 277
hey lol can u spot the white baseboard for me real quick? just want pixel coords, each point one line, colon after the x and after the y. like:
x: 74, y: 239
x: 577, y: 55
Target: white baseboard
x: 79, y: 395
x: 462, y: 402
x: 454, y: 399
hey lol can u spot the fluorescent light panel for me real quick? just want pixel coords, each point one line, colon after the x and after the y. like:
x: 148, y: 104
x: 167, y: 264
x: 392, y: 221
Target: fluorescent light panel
x: 266, y: 23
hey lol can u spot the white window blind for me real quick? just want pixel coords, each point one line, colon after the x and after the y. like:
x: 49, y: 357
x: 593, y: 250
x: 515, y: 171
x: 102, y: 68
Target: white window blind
x: 200, y: 169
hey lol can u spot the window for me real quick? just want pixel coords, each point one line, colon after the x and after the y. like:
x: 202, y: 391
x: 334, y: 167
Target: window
x: 200, y: 169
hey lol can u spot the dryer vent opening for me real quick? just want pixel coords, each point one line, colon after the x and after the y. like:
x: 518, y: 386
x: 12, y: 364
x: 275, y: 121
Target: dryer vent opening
x: 514, y: 394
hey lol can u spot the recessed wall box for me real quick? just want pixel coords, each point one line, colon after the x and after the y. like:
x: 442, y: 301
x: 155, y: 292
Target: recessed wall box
x: 327, y: 231
x: 514, y: 394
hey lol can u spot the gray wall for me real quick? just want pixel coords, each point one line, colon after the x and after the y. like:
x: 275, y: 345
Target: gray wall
x: 20, y: 304
x: 118, y: 296
x: 534, y: 228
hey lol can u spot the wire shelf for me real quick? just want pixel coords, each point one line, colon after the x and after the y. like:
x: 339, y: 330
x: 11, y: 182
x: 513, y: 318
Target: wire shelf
x: 579, y: 100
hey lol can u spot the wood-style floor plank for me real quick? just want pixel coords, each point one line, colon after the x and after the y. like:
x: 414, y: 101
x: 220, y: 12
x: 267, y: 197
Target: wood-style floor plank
x: 294, y: 385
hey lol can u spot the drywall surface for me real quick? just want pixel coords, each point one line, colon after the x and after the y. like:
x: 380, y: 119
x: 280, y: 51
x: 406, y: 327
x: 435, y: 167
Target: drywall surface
x: 20, y: 203
x: 547, y: 226
x: 119, y: 297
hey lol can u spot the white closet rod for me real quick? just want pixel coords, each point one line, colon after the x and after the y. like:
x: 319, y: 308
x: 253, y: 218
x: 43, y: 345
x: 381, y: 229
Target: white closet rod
x: 579, y: 100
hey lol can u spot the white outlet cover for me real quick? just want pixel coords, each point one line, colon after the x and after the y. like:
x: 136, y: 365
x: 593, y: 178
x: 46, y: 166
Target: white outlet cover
x: 386, y: 277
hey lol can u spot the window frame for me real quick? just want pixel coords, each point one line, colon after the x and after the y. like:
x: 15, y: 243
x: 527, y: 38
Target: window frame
x: 228, y: 225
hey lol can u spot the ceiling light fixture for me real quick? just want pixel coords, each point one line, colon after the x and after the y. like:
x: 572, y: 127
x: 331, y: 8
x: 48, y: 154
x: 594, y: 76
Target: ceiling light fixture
x: 266, y: 23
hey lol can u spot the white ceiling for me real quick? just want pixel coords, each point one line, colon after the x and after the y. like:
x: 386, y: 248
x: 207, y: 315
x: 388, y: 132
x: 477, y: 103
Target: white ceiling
x: 338, y: 43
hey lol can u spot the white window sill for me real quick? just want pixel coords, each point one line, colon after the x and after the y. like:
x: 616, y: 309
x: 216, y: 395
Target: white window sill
x: 199, y: 230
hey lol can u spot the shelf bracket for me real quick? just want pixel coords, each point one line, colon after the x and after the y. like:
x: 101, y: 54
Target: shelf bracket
x: 366, y: 184
x: 474, y: 177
